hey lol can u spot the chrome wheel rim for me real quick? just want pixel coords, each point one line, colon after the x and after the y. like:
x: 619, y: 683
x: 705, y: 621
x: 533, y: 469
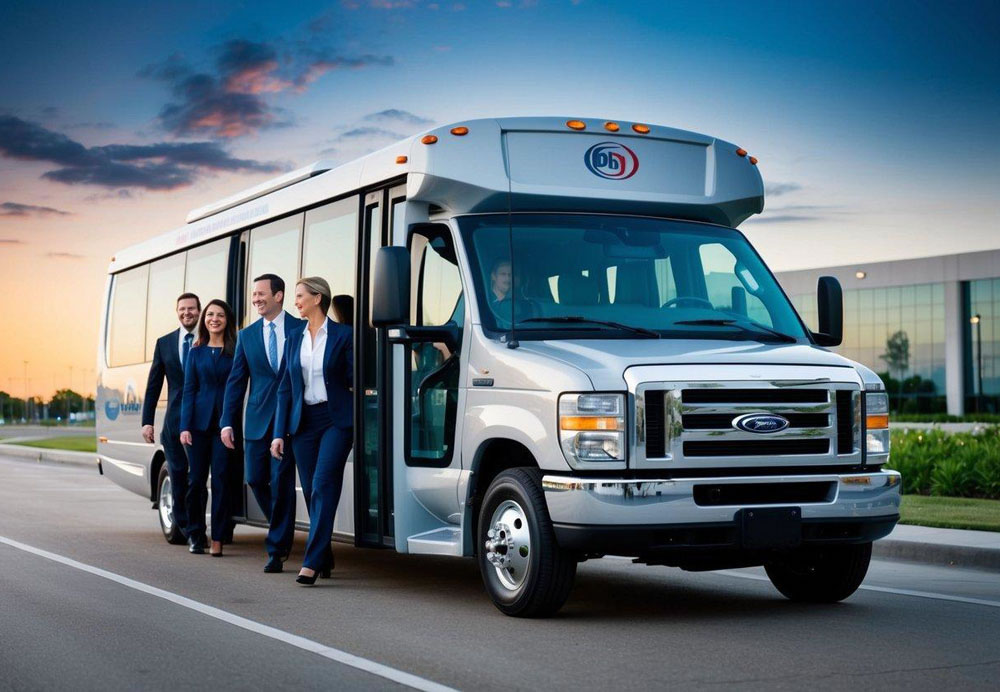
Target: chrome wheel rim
x: 166, y: 505
x: 508, y: 544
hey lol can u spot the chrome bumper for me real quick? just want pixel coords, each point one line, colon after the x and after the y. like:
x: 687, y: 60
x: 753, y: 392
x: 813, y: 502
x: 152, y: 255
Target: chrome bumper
x: 603, y: 502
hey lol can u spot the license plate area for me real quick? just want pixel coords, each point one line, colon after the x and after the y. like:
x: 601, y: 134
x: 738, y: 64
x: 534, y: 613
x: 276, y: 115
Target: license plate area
x: 770, y: 527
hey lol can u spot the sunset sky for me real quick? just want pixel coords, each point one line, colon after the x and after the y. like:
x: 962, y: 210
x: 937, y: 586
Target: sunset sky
x: 876, y: 124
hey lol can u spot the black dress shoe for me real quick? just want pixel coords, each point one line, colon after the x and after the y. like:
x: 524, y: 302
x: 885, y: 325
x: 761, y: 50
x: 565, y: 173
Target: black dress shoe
x: 307, y: 581
x: 196, y: 546
x: 274, y: 565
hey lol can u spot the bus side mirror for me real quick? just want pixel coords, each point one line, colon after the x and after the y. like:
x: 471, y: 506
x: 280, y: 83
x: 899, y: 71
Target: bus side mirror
x: 830, y: 301
x: 391, y: 297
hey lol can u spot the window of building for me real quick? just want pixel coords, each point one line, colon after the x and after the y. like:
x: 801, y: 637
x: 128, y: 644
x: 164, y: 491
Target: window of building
x: 982, y: 345
x: 127, y: 329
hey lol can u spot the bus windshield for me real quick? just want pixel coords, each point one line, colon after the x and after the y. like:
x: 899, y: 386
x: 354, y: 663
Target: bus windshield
x: 605, y: 276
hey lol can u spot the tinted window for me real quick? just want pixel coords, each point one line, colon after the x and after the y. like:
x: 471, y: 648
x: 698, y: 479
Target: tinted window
x: 329, y: 245
x: 208, y: 270
x: 127, y: 330
x: 166, y: 282
x: 274, y: 249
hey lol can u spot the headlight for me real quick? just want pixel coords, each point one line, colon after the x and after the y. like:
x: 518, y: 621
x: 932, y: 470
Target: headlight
x: 877, y: 422
x: 592, y: 427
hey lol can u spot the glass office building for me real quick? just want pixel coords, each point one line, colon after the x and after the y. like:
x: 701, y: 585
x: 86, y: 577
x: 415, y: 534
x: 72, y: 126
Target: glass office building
x: 915, y: 323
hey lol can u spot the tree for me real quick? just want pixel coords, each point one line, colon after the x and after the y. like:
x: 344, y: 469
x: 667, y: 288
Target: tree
x: 897, y: 357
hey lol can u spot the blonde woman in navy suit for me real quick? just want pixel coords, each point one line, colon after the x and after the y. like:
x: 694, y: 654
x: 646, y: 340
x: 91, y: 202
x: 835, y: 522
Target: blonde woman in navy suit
x: 205, y: 376
x: 316, y: 407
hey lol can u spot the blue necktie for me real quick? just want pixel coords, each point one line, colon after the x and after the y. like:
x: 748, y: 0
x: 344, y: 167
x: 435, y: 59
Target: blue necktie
x: 188, y: 338
x: 272, y: 348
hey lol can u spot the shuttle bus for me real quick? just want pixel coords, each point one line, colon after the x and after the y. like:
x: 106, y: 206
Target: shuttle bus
x: 564, y: 350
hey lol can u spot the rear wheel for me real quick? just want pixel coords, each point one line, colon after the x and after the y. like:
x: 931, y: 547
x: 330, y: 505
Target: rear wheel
x: 165, y: 504
x: 525, y: 571
x: 821, y: 575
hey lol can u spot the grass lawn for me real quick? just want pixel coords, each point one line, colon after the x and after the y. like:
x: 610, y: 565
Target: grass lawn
x: 951, y: 512
x: 81, y: 443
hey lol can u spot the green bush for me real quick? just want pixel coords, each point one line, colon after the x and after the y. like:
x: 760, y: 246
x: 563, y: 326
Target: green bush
x: 945, y: 418
x: 934, y: 462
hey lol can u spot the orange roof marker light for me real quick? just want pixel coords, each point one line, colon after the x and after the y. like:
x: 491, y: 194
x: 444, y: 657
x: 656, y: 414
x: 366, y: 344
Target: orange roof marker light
x: 611, y: 127
x: 641, y: 129
x: 753, y: 160
x: 460, y: 131
x: 401, y: 159
x: 576, y: 125
x: 741, y: 152
x: 429, y: 139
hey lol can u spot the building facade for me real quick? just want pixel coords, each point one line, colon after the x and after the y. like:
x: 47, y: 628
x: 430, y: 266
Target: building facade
x: 930, y: 326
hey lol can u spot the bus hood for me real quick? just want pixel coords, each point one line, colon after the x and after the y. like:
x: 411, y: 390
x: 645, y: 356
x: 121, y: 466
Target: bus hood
x: 605, y: 360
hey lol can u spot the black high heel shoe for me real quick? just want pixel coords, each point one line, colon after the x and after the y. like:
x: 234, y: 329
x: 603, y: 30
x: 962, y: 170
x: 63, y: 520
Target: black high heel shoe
x: 307, y: 581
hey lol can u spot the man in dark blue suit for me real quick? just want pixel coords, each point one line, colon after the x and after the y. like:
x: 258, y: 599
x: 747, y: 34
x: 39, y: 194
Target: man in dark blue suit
x: 168, y: 363
x: 259, y: 360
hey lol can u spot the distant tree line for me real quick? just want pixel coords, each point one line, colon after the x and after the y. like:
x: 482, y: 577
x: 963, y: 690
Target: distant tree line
x: 63, y: 403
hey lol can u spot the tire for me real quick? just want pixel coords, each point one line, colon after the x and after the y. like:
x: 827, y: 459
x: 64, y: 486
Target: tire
x: 822, y: 575
x: 165, y: 504
x: 524, y: 570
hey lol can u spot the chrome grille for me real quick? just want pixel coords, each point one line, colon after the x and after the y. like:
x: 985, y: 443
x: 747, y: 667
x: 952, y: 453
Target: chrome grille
x: 690, y: 424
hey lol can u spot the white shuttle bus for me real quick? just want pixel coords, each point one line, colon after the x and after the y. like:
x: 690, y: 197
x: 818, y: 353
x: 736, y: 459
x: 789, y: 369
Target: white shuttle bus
x: 564, y: 350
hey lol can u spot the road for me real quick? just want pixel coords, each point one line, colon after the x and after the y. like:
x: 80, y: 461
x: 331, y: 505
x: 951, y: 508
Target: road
x: 92, y: 597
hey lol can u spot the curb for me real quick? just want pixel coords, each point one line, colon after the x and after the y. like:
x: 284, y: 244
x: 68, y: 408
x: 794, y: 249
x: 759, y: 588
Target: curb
x: 58, y: 456
x: 937, y: 554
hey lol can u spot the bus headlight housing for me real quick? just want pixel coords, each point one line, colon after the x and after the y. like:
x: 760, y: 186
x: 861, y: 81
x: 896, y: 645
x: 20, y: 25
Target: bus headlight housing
x: 877, y: 422
x: 592, y: 428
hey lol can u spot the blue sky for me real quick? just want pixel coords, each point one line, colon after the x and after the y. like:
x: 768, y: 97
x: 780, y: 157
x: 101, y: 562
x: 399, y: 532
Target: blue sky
x: 876, y: 123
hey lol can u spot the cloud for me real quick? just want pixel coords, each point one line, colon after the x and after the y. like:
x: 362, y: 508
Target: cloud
x: 398, y: 116
x: 11, y: 241
x: 374, y: 131
x: 230, y: 100
x: 798, y: 213
x: 18, y: 209
x: 378, y: 4
x: 63, y: 255
x: 160, y: 166
x: 778, y: 189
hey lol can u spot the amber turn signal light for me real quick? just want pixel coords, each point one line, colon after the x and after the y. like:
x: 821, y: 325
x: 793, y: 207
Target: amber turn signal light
x: 877, y: 421
x: 429, y: 139
x: 753, y: 160
x: 641, y: 129
x: 401, y: 159
x: 460, y: 131
x: 576, y: 125
x: 741, y: 152
x: 611, y: 127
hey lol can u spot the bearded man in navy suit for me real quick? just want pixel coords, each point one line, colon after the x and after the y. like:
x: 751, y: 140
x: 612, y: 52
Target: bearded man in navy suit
x: 168, y: 363
x: 259, y: 361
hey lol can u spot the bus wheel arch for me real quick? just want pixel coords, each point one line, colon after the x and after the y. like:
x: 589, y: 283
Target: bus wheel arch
x: 493, y: 457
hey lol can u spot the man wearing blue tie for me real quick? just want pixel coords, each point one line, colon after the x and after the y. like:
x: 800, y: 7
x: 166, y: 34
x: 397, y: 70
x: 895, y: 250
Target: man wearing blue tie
x: 259, y: 361
x: 169, y: 357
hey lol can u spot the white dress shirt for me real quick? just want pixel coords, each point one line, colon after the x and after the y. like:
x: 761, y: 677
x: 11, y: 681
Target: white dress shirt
x: 180, y: 342
x: 279, y: 333
x: 311, y: 354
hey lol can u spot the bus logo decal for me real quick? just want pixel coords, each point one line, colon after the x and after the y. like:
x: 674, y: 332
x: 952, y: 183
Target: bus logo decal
x: 111, y: 408
x: 761, y: 423
x: 611, y: 160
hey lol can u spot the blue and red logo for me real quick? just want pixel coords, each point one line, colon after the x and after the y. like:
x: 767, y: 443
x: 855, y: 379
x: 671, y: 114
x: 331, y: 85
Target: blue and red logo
x: 612, y: 161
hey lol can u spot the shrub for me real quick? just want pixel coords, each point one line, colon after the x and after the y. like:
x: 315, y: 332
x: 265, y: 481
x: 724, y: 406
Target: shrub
x: 934, y: 462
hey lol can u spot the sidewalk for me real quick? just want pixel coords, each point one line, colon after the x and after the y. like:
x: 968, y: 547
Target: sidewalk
x: 976, y: 549
x: 59, y: 456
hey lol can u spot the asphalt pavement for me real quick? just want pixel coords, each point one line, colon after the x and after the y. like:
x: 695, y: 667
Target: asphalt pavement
x: 92, y: 597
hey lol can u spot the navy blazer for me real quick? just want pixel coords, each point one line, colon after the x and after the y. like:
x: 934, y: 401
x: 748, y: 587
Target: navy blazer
x: 166, y: 365
x: 204, y: 388
x: 250, y: 363
x: 338, y: 376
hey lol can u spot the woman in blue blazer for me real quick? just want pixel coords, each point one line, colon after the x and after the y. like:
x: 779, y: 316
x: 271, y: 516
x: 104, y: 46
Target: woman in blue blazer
x: 316, y: 407
x: 205, y: 375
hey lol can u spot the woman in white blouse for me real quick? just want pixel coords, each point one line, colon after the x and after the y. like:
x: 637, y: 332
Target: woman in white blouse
x: 316, y: 408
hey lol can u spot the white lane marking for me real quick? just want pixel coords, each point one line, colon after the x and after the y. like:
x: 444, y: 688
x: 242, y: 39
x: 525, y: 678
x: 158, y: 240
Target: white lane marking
x: 373, y: 667
x: 883, y: 589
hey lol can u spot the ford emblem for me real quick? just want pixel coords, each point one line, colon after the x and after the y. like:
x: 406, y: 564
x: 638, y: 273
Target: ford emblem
x: 760, y: 422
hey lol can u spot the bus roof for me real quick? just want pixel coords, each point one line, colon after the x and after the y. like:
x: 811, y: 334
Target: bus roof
x: 517, y: 164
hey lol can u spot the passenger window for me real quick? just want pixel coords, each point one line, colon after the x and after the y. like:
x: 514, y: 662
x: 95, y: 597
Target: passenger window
x: 274, y: 249
x: 329, y: 247
x: 207, y: 273
x: 434, y: 367
x: 725, y: 291
x: 127, y: 329
x: 166, y: 283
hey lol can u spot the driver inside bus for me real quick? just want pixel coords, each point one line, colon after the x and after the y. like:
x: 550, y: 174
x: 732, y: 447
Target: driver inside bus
x: 502, y: 283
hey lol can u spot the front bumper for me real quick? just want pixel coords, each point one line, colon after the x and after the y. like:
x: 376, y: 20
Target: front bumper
x: 635, y: 517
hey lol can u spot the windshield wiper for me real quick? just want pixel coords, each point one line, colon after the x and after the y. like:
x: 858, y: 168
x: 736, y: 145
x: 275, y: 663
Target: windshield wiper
x: 577, y: 319
x: 755, y: 329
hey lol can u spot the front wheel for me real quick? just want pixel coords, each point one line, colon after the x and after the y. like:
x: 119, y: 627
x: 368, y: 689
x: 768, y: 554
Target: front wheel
x: 821, y: 575
x: 525, y: 571
x: 165, y: 504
